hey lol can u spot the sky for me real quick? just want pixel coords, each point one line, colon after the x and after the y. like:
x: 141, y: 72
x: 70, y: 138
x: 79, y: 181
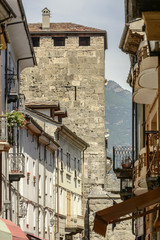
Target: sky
x: 103, y: 14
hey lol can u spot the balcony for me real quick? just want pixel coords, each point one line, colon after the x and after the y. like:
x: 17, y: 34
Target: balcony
x: 122, y: 161
x: 139, y: 174
x: 145, y: 76
x: 16, y: 166
x: 74, y: 224
x: 146, y: 172
x: 125, y: 189
x: 12, y: 87
x: 136, y: 8
x: 4, y: 145
x: 21, y: 107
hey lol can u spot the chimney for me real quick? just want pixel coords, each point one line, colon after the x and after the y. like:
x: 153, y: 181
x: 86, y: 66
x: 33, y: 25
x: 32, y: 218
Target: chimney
x: 45, y: 19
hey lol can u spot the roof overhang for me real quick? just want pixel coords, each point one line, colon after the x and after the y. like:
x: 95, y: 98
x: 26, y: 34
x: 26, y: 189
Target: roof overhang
x: 6, y: 12
x: 20, y: 37
x: 152, y: 23
x: 134, y: 205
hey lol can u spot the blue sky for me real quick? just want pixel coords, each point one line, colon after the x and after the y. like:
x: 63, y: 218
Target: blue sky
x: 103, y: 14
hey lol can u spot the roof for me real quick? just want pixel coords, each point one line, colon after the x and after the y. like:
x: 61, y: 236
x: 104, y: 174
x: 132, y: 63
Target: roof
x: 113, y: 214
x: 19, y: 36
x: 43, y: 104
x: 72, y: 135
x: 64, y: 27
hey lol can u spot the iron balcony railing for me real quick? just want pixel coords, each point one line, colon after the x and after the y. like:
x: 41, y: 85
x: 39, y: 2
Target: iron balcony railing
x: 122, y: 157
x: 12, y: 87
x: 151, y: 158
x: 153, y: 153
x: 16, y: 164
x: 75, y: 221
x: 21, y: 107
x: 3, y: 129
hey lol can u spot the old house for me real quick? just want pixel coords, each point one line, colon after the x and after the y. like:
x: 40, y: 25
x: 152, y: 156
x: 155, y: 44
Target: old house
x: 67, y: 194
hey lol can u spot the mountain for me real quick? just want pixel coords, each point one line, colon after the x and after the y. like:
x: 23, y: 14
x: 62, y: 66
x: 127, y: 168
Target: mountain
x: 118, y: 115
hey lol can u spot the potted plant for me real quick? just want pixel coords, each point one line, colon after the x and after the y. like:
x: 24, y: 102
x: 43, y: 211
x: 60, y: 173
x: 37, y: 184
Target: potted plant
x: 16, y: 117
x: 28, y: 175
x: 126, y: 163
x: 34, y: 179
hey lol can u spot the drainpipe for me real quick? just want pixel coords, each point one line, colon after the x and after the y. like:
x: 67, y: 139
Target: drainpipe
x: 44, y: 196
x: 5, y: 108
x: 57, y: 230
x: 158, y: 93
x: 37, y: 173
x: 133, y: 145
x: 83, y: 181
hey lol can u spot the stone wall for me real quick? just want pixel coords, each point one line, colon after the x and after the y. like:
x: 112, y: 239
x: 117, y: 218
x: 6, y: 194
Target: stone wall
x: 98, y: 200
x: 74, y: 75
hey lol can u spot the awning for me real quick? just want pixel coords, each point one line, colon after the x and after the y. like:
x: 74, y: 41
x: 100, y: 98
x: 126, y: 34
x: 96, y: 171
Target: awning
x: 14, y: 232
x: 5, y: 234
x: 133, y: 205
x: 34, y: 237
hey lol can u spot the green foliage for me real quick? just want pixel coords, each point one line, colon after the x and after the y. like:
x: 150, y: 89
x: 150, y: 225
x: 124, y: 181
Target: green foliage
x: 16, y: 117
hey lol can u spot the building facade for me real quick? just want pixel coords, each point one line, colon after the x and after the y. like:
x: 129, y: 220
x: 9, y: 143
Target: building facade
x: 71, y: 69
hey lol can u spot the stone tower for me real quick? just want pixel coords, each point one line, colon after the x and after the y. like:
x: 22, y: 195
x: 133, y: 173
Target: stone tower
x: 71, y: 68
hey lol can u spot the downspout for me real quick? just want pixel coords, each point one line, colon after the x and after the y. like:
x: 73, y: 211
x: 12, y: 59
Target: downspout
x: 5, y: 108
x: 18, y: 75
x: 57, y: 230
x: 83, y: 197
x: 143, y: 125
x: 44, y: 196
x: 37, y: 173
x: 133, y: 145
x: 83, y: 180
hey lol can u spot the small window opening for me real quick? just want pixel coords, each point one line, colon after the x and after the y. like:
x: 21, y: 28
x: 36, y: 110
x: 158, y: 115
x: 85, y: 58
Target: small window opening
x: 59, y: 41
x: 84, y: 41
x: 35, y: 41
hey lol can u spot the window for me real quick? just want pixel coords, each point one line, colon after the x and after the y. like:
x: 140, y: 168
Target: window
x: 35, y: 41
x: 39, y: 185
x: 68, y: 162
x: 50, y: 187
x: 75, y: 163
x: 59, y: 41
x: 79, y: 165
x: 84, y: 41
x: 46, y: 185
x: 61, y: 154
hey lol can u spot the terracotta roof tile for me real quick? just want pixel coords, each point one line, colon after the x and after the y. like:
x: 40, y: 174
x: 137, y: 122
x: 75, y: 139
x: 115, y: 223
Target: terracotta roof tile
x: 63, y: 27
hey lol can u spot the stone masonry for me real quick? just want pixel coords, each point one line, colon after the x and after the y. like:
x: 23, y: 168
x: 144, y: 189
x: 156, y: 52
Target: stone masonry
x: 74, y: 75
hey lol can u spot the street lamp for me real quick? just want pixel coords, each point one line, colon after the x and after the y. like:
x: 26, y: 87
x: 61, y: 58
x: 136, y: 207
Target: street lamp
x: 7, y: 205
x: 51, y: 221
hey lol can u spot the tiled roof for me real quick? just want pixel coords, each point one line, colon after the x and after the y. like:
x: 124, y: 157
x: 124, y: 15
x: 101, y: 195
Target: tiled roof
x: 63, y: 27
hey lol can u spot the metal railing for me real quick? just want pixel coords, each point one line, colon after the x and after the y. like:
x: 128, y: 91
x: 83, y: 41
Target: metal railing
x: 151, y: 158
x: 153, y: 153
x: 122, y: 157
x: 21, y: 107
x: 16, y: 163
x: 3, y: 129
x: 12, y: 84
x: 75, y: 221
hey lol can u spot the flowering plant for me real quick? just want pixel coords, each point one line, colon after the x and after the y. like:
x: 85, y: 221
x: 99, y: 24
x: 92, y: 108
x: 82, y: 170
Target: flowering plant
x: 16, y: 117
